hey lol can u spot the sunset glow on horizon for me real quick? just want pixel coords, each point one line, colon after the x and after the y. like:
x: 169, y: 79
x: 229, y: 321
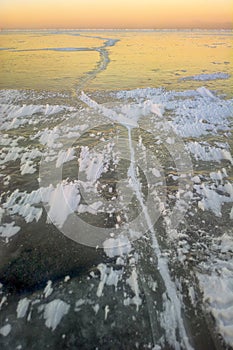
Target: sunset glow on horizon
x: 106, y: 14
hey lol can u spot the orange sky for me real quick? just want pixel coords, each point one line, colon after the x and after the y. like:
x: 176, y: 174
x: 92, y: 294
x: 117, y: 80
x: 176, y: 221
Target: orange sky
x: 116, y: 14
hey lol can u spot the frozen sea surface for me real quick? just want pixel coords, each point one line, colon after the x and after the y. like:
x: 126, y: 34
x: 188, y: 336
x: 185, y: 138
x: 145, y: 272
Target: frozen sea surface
x: 106, y: 176
x: 116, y: 210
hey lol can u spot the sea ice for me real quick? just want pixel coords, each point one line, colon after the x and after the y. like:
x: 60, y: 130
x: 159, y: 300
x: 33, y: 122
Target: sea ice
x: 206, y: 77
x: 48, y: 289
x: 54, y: 312
x: 8, y: 230
x: 217, y: 287
x: 117, y: 246
x: 63, y: 201
x: 22, y: 307
x: 5, y: 330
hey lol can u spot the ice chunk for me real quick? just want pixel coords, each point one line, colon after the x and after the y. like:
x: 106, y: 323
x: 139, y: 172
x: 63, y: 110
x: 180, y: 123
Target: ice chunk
x: 65, y: 156
x: 212, y: 200
x: 214, y: 286
x: 110, y: 114
x: 204, y: 92
x: 8, y: 230
x: 63, y: 201
x: 54, y: 312
x: 48, y: 289
x: 208, y: 153
x: 22, y: 307
x: 103, y: 277
x: 92, y: 164
x: 106, y: 311
x: 5, y: 330
x: 27, y: 168
x: 117, y: 246
x: 133, y: 283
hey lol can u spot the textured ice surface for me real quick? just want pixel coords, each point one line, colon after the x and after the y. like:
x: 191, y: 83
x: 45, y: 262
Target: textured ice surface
x: 146, y: 279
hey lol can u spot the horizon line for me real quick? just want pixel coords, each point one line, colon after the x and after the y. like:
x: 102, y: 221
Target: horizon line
x: 60, y: 28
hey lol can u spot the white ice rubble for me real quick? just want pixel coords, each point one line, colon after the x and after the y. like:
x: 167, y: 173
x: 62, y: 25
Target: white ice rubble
x: 13, y: 116
x: 188, y: 114
x: 215, y: 193
x: 217, y: 288
x: 209, y: 153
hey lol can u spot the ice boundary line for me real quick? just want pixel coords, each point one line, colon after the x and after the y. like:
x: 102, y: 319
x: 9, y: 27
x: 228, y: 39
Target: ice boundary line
x: 101, y: 64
